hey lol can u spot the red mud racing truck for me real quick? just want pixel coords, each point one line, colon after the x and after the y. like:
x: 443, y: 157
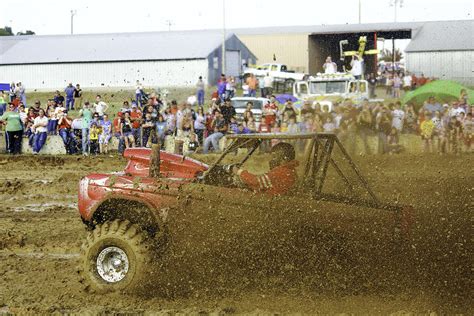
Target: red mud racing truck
x: 180, y: 224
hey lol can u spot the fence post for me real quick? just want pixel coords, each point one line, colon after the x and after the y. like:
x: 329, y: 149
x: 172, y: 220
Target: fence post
x: 155, y: 161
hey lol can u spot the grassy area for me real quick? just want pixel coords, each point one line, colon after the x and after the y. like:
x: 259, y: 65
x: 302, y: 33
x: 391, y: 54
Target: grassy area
x: 115, y: 98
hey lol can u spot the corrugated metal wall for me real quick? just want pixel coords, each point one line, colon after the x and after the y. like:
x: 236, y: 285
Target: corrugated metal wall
x: 453, y: 65
x: 108, y: 74
x: 233, y: 43
x: 289, y: 49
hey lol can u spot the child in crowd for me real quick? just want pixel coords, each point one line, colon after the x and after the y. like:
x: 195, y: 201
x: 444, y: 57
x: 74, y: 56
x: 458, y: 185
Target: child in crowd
x: 468, y: 132
x: 426, y: 131
x: 94, y: 132
x: 454, y: 131
x: 329, y: 126
x: 193, y: 144
x: 292, y: 126
x: 148, y: 130
x: 105, y: 135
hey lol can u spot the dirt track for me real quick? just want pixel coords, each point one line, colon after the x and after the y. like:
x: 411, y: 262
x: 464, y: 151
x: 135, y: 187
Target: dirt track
x: 41, y: 233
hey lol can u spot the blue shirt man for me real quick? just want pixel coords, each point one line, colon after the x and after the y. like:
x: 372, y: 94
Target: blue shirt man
x: 69, y: 96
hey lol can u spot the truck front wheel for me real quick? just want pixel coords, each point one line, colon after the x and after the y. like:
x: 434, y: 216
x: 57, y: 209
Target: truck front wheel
x: 116, y: 256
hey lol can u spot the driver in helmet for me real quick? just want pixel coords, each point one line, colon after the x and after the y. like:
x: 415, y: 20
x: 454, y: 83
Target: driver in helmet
x: 282, y: 175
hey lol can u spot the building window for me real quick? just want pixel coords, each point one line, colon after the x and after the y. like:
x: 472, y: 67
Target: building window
x: 216, y: 62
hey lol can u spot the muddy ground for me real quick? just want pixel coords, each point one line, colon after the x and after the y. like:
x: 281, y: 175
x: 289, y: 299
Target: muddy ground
x: 41, y: 233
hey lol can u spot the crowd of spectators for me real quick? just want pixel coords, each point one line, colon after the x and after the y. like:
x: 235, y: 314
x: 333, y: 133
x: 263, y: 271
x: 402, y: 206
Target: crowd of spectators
x: 146, y: 121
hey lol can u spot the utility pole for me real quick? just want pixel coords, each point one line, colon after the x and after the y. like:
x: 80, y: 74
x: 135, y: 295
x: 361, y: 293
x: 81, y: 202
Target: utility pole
x: 223, y: 36
x: 73, y: 13
x: 395, y: 4
x: 360, y: 11
x: 169, y: 23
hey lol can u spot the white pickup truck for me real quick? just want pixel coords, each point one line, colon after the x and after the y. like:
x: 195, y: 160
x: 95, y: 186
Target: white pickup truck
x: 279, y: 72
x: 332, y: 86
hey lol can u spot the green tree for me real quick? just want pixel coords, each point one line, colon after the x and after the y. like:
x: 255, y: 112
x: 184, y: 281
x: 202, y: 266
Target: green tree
x: 386, y: 55
x: 27, y: 32
x: 7, y: 31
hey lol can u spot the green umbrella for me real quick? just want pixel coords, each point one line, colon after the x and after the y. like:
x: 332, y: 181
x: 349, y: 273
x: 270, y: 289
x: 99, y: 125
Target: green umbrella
x: 443, y: 90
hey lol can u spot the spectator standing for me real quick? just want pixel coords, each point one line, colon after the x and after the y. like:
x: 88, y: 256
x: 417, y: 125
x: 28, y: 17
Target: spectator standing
x: 329, y: 66
x: 372, y: 85
x: 148, y: 130
x: 200, y: 124
x: 397, y: 83
x: 138, y: 93
x: 86, y: 114
x: 200, y: 86
x: 426, y: 131
x: 384, y: 128
x: 22, y: 92
x: 100, y: 106
x: 136, y: 119
x: 454, y: 132
x: 3, y: 103
x: 69, y: 91
x: 14, y: 130
x: 105, y: 134
x: 252, y: 83
x: 41, y: 131
x: 398, y: 117
x: 410, y: 119
x: 357, y: 68
x: 268, y: 84
x: 221, y: 86
x: 432, y: 106
x: 94, y: 132
x: 230, y: 88
x: 12, y: 91
x: 364, y: 123
x: 77, y: 97
x: 421, y: 81
x: 407, y: 82
x: 468, y: 132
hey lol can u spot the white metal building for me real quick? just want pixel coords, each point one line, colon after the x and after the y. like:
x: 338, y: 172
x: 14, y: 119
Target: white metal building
x: 443, y: 50
x: 158, y: 59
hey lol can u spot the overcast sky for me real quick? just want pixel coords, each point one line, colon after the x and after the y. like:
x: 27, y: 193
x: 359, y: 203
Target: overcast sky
x: 97, y: 16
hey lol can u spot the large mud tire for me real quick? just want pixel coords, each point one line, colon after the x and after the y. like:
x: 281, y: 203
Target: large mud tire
x: 131, y: 240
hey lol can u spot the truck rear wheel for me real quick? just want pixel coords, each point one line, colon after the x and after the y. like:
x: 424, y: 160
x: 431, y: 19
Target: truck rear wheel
x: 116, y: 256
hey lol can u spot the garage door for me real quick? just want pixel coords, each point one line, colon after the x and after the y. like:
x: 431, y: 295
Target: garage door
x: 232, y: 63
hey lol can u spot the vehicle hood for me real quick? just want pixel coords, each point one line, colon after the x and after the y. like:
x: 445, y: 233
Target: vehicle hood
x: 171, y: 165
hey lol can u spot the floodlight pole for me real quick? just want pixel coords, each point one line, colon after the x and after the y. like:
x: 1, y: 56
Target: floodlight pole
x: 360, y: 12
x: 73, y: 13
x: 223, y: 36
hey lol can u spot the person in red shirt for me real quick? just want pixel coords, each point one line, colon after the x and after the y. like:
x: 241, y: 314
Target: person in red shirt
x: 136, y: 118
x: 270, y: 111
x: 282, y: 176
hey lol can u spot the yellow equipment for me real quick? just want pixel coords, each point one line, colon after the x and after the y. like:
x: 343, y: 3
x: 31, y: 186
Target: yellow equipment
x: 361, y: 52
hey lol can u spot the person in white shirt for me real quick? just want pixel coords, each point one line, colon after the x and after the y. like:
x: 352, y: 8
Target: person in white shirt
x: 356, y: 65
x: 398, y: 117
x: 138, y: 92
x: 41, y: 131
x: 268, y: 84
x: 407, y: 82
x: 455, y: 109
x: 100, y: 107
x: 329, y: 66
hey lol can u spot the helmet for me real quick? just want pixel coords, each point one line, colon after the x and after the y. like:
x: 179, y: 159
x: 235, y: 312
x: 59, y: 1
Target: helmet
x: 281, y: 153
